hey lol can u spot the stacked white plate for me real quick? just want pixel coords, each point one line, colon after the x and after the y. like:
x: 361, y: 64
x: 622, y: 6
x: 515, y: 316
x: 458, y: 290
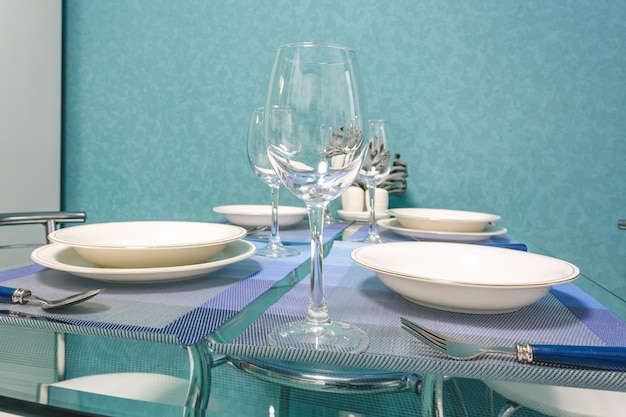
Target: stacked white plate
x: 442, y: 224
x: 144, y: 251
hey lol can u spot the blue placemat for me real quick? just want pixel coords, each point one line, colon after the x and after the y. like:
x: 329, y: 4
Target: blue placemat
x: 566, y: 315
x: 187, y: 310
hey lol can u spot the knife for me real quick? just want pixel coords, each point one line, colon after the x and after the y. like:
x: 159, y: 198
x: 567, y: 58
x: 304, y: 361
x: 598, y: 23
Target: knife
x: 19, y: 314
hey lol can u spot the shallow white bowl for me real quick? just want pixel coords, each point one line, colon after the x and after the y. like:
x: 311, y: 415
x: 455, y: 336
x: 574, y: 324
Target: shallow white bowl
x: 462, y: 277
x: 148, y: 244
x: 254, y: 215
x: 443, y: 220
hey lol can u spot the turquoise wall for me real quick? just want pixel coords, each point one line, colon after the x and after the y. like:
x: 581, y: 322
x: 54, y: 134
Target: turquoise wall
x: 509, y: 107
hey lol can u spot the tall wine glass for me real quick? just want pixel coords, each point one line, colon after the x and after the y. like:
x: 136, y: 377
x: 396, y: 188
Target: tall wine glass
x: 314, y: 137
x: 373, y: 171
x: 257, y: 156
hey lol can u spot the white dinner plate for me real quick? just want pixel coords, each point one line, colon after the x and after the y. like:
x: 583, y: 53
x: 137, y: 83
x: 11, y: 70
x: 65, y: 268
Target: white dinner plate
x: 138, y: 386
x: 359, y: 216
x: 255, y: 215
x: 462, y: 277
x: 158, y: 388
x: 561, y: 401
x: 64, y: 258
x: 393, y: 225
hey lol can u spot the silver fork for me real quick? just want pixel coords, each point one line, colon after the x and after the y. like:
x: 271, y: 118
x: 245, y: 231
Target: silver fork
x: 588, y: 356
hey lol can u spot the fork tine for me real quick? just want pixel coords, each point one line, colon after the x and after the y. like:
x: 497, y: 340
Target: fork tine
x: 458, y: 349
x: 424, y: 340
x: 425, y: 335
x: 430, y: 334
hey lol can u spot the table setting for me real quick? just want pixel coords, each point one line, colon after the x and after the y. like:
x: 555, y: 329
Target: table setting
x: 292, y: 142
x: 177, y: 303
x: 563, y: 316
x: 277, y: 282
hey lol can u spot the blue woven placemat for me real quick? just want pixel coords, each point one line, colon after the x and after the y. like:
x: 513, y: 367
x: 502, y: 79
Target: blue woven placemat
x: 355, y: 295
x: 183, y: 311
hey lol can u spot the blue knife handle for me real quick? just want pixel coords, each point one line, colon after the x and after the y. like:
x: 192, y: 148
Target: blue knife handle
x: 14, y: 295
x: 6, y: 294
x: 589, y: 356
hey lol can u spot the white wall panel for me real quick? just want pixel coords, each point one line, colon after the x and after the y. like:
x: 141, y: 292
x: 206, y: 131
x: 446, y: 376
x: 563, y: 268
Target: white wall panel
x: 30, y: 111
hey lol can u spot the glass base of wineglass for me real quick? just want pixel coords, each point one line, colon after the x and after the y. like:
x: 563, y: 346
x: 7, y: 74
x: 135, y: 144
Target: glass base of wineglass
x: 371, y: 238
x: 272, y: 250
x: 331, y: 337
x: 329, y: 218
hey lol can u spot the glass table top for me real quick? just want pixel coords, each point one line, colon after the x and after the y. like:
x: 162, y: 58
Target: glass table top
x: 207, y: 356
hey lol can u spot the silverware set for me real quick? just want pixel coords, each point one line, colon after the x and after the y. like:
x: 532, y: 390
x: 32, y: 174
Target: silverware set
x: 24, y: 296
x: 589, y: 356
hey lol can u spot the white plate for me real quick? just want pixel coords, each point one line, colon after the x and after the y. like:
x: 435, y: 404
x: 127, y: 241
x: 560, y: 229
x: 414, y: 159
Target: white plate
x: 393, y: 225
x: 163, y: 389
x: 254, y: 215
x: 148, y: 244
x: 443, y: 220
x: 560, y: 401
x: 139, y: 386
x: 359, y: 216
x: 64, y: 258
x: 463, y: 277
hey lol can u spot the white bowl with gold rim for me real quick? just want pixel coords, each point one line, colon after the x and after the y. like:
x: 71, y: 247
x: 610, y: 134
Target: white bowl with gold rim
x: 462, y: 277
x: 443, y: 220
x: 148, y: 244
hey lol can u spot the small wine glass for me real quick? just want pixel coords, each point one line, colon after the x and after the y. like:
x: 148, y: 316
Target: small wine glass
x: 315, y: 143
x: 373, y: 171
x: 257, y: 156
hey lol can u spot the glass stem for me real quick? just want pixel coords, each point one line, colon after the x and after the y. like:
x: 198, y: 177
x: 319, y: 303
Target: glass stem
x: 371, y: 194
x: 274, y: 238
x: 317, y: 312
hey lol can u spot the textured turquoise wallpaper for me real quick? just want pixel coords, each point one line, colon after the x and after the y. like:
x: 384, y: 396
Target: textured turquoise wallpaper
x: 511, y: 107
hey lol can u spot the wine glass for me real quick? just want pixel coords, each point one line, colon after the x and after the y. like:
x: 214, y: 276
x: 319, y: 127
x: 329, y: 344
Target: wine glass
x: 313, y: 129
x: 257, y: 156
x: 373, y: 171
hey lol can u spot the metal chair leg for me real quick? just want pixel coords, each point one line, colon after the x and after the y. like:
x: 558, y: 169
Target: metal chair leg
x: 431, y: 394
x: 509, y: 408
